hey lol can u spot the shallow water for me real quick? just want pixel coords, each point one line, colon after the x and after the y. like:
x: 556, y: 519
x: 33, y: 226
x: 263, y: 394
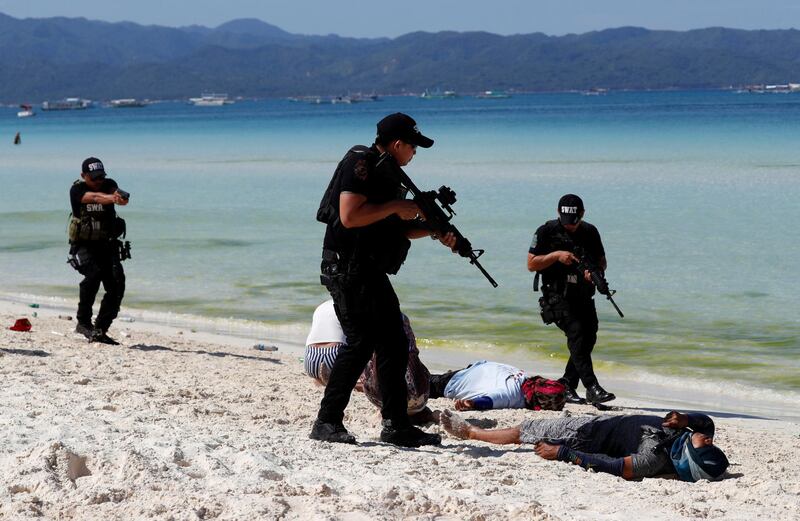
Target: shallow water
x: 694, y: 193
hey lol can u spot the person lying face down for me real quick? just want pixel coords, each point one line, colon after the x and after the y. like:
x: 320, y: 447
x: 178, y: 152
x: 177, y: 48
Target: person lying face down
x: 631, y: 446
x: 489, y: 385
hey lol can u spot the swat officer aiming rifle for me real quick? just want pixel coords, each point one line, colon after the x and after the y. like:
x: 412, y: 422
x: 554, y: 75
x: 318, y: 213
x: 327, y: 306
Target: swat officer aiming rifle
x: 558, y: 247
x: 369, y: 227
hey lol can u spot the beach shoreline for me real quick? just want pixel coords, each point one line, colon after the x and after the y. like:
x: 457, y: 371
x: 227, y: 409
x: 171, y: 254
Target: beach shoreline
x: 640, y: 389
x: 182, y: 424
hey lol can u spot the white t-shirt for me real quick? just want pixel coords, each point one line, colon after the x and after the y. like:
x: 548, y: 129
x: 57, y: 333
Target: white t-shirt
x: 500, y: 382
x: 325, y: 326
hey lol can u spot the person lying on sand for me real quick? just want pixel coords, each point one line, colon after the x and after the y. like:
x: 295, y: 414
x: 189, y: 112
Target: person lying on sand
x: 481, y: 386
x: 322, y: 347
x: 632, y: 446
x: 489, y: 385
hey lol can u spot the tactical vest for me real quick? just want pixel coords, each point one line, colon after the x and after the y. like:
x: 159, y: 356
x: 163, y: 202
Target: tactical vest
x: 384, y: 252
x: 93, y: 224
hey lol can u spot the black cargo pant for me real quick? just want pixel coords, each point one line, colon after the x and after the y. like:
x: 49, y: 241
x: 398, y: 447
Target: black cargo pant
x: 99, y: 264
x: 580, y: 326
x: 369, y: 312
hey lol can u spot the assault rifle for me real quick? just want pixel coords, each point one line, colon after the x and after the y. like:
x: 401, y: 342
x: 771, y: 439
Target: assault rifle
x: 438, y: 221
x: 598, y: 278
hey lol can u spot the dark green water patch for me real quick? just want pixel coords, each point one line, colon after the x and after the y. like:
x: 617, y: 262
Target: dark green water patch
x: 58, y: 290
x: 36, y: 245
x: 202, y: 244
x: 262, y: 290
x: 34, y: 216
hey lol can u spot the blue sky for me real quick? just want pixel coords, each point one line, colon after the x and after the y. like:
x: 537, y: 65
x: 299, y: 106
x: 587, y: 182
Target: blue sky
x: 372, y: 18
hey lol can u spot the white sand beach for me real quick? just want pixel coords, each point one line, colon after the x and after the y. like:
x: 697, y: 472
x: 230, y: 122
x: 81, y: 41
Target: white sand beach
x: 183, y: 425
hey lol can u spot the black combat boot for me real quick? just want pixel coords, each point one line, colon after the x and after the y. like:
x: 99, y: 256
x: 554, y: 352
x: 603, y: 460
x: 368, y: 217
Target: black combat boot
x: 570, y: 394
x: 596, y: 394
x: 408, y: 436
x: 98, y: 335
x: 331, y: 432
x: 85, y: 329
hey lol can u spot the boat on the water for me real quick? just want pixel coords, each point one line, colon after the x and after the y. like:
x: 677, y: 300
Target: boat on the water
x: 26, y: 112
x: 126, y: 103
x: 448, y: 94
x: 493, y: 94
x: 211, y: 100
x: 595, y: 91
x: 67, y: 104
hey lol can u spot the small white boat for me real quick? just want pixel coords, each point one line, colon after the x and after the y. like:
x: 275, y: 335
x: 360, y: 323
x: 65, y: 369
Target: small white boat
x: 595, y: 91
x: 211, y: 100
x: 67, y: 104
x: 26, y: 112
x: 493, y: 94
x: 448, y: 94
x: 126, y: 103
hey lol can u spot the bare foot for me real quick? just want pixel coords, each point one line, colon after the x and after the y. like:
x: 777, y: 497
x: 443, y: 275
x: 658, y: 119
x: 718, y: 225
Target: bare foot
x: 454, y: 424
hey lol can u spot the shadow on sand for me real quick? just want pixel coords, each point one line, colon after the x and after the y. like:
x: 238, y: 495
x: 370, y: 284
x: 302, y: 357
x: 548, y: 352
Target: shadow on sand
x: 218, y: 354
x: 716, y: 414
x: 24, y: 352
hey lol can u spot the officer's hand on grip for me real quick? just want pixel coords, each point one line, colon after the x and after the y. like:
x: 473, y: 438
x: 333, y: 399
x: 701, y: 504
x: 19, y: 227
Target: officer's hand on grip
x: 565, y: 257
x: 408, y: 210
x: 118, y: 199
x: 449, y: 240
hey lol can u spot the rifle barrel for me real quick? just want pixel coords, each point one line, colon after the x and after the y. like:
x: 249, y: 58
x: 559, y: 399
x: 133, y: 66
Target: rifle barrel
x: 474, y: 260
x: 615, y: 306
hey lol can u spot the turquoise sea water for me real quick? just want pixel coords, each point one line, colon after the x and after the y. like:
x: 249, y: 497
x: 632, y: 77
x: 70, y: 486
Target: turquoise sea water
x: 696, y: 194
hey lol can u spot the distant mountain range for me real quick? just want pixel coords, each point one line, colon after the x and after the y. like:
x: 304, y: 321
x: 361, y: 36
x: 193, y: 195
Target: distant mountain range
x: 57, y: 57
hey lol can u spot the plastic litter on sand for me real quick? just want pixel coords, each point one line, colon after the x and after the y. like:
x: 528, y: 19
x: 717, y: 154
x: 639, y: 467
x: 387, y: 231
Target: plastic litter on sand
x: 265, y: 347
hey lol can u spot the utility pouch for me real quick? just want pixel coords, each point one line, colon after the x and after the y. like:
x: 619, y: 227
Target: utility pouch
x: 120, y: 229
x: 392, y: 254
x: 553, y: 307
x: 79, y: 258
x: 73, y: 228
x: 331, y: 269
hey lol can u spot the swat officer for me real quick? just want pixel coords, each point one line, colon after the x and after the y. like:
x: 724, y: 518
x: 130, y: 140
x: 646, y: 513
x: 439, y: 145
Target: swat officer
x: 369, y: 224
x: 95, y: 249
x: 567, y: 295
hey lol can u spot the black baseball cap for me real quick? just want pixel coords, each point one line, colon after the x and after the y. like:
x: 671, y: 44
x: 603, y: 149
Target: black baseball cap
x: 570, y: 209
x: 403, y: 127
x: 93, y: 167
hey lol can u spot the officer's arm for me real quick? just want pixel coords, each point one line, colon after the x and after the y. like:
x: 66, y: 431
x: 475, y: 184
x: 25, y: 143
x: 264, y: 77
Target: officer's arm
x: 418, y: 233
x: 603, y: 263
x: 541, y: 262
x: 355, y: 211
x: 101, y: 198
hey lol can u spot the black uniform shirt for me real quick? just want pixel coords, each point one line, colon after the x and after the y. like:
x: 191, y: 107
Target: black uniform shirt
x: 103, y: 212
x: 375, y: 176
x: 550, y: 237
